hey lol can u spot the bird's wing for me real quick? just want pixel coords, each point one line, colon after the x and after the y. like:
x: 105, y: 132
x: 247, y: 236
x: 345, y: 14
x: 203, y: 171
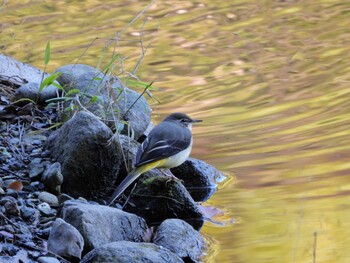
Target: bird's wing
x: 163, y: 143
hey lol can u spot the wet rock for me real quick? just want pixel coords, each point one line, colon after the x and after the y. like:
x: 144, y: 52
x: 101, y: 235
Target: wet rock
x: 89, y: 162
x: 125, y: 252
x: 46, y: 197
x: 36, y: 168
x: 65, y: 240
x: 199, y: 178
x: 181, y: 239
x: 53, y: 178
x: 100, y: 225
x: 48, y: 260
x: 159, y: 198
x: 31, y: 91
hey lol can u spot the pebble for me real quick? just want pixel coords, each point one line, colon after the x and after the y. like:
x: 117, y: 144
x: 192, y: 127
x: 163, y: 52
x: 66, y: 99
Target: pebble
x: 46, y: 210
x: 48, y: 198
x: 11, y: 192
x: 27, y: 212
x: 36, y: 168
x: 11, y: 209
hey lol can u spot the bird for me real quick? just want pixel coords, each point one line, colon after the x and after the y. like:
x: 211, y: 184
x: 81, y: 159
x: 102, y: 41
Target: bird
x: 168, y: 145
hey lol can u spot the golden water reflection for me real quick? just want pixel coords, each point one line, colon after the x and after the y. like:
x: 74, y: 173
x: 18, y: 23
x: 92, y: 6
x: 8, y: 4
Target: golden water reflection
x: 271, y: 81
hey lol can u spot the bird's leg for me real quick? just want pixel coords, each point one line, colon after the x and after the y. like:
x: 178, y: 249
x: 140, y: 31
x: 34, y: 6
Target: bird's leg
x: 167, y: 172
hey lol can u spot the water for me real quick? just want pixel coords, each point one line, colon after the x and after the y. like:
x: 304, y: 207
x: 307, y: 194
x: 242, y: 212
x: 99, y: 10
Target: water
x: 271, y: 81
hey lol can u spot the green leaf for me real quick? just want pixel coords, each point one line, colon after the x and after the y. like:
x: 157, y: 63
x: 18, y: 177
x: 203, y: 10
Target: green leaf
x: 47, y: 53
x: 59, y: 99
x: 113, y: 59
x: 135, y: 83
x: 73, y: 92
x: 94, y: 99
x: 49, y: 80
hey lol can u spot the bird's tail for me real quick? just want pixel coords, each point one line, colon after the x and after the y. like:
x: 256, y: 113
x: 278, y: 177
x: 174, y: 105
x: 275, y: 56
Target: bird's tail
x: 130, y: 178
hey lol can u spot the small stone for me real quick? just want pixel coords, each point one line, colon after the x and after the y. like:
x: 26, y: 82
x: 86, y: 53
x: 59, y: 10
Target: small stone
x: 9, y: 249
x: 37, y: 142
x: 36, y: 152
x: 14, y: 141
x: 48, y: 260
x: 36, y: 168
x: 63, y: 198
x: 53, y: 178
x: 27, y: 212
x: 46, y: 197
x: 11, y: 192
x: 5, y: 155
x: 46, y: 210
x: 9, y: 229
x: 2, y: 192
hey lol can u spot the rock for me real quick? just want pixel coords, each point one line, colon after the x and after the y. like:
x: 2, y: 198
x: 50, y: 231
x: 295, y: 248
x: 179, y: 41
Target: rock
x: 31, y: 91
x: 65, y: 240
x: 63, y: 198
x: 11, y: 208
x: 135, y: 110
x: 28, y: 213
x: 126, y: 252
x: 181, y: 239
x: 100, y: 225
x: 46, y: 210
x: 159, y: 198
x: 133, y: 107
x: 53, y: 178
x: 46, y: 197
x: 35, y: 168
x: 199, y: 178
x: 89, y: 162
x: 9, y: 249
x: 71, y: 72
x: 48, y: 260
x: 19, y: 73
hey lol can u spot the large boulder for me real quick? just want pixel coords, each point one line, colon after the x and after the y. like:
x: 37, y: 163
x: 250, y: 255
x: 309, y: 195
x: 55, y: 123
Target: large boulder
x: 27, y: 79
x: 116, y: 104
x: 89, y: 161
x: 100, y: 225
x: 126, y: 252
x: 159, y: 198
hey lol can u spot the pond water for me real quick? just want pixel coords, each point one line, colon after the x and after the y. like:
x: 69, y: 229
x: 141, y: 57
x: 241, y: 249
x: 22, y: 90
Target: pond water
x: 269, y: 78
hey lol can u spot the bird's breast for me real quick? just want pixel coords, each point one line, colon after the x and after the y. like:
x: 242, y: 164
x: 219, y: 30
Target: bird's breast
x: 177, y: 159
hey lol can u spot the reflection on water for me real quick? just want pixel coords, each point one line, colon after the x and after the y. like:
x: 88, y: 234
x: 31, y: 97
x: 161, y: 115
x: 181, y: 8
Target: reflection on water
x: 270, y: 80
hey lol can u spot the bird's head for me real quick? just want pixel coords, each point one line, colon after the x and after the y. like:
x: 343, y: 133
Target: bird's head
x: 182, y: 119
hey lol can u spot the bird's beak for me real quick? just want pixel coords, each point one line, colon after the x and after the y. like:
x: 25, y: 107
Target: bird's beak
x: 194, y: 121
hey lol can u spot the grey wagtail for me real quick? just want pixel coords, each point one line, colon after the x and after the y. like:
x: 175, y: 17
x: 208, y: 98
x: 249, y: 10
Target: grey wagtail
x: 168, y: 145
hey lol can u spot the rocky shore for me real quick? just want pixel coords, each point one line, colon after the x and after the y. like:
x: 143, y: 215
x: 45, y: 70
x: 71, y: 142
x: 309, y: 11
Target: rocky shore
x: 63, y: 150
